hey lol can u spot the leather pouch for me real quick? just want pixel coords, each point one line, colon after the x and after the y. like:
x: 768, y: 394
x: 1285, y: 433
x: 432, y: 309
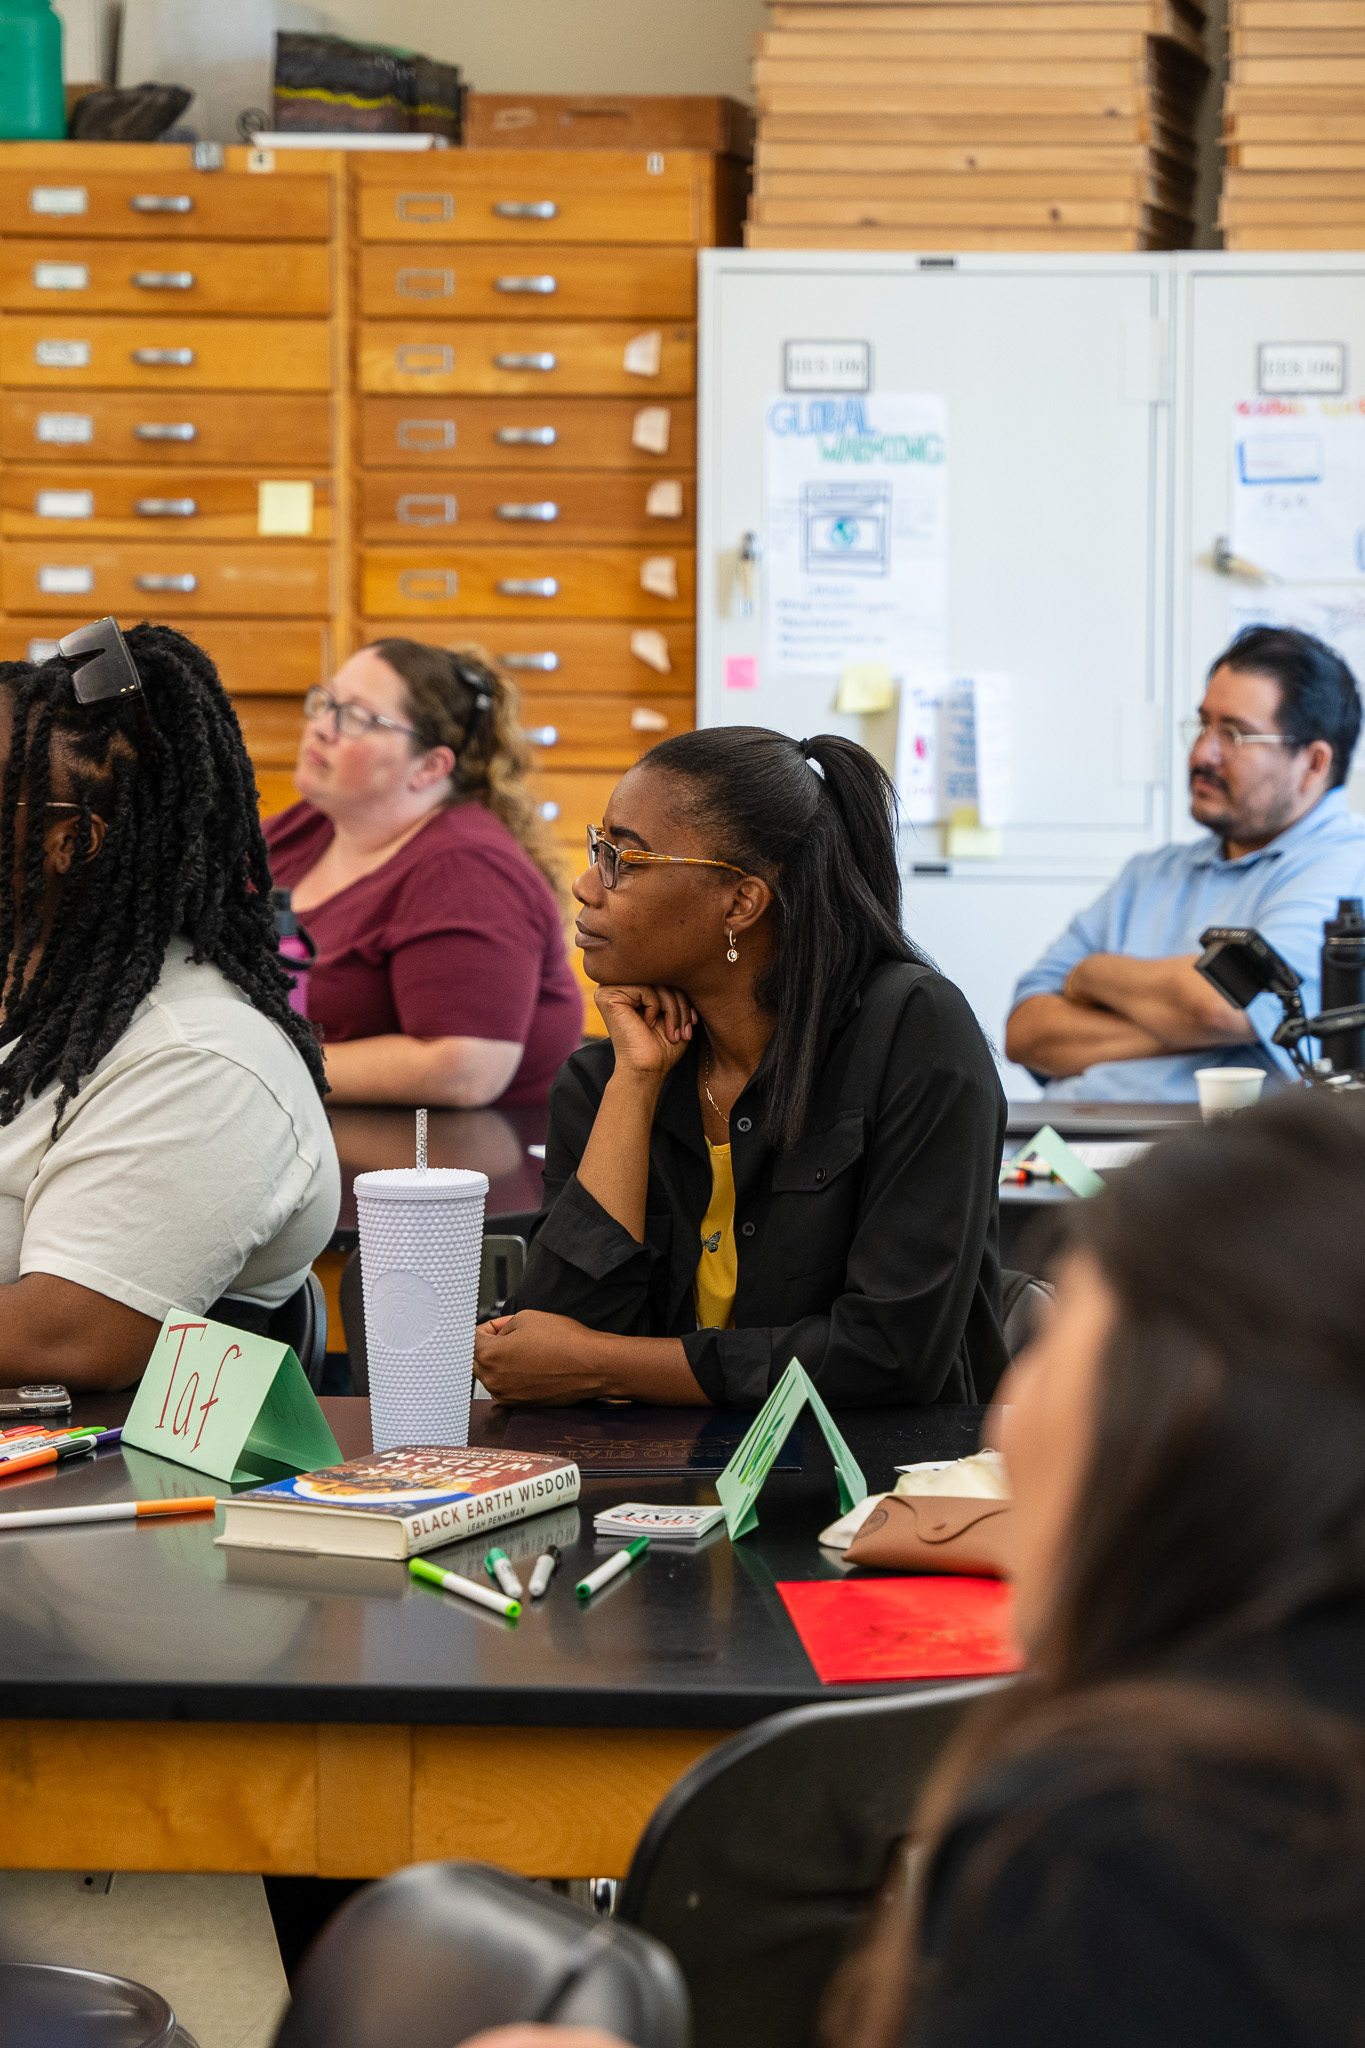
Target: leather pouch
x: 935, y: 1533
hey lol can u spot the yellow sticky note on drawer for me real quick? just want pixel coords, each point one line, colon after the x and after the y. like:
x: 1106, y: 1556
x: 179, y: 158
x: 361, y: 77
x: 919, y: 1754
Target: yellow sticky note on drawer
x: 284, y: 508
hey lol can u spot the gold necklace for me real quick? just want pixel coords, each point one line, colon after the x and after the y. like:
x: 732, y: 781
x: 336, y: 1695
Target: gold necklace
x: 723, y: 1114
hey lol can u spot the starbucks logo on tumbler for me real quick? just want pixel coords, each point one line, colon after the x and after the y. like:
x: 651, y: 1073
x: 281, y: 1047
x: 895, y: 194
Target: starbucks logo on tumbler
x: 403, y: 1309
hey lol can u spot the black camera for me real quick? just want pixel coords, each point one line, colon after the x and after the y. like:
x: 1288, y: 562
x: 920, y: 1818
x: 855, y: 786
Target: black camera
x: 1242, y: 965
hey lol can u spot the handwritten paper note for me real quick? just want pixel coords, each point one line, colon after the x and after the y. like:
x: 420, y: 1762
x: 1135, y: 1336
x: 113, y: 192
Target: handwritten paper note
x: 212, y: 1395
x: 740, y: 1484
x: 1298, y: 488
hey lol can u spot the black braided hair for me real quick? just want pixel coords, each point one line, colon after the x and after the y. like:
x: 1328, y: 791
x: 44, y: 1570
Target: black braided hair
x: 182, y: 856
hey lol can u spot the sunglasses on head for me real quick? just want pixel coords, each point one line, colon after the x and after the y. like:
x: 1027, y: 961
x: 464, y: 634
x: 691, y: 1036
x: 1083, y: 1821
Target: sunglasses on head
x: 100, y: 664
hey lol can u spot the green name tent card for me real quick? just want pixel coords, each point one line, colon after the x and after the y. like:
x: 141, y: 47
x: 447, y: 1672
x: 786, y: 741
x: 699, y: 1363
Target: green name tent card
x: 212, y: 1395
x: 740, y: 1484
x: 1071, y: 1170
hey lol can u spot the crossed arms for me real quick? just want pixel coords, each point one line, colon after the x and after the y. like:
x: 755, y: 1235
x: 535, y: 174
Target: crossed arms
x: 1114, y: 1007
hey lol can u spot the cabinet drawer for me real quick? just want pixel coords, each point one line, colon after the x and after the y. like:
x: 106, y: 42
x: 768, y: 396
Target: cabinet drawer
x: 177, y: 203
x: 181, y: 433
x: 533, y: 196
x: 463, y: 582
x: 472, y: 504
x: 271, y: 728
x: 549, y: 433
x: 193, y: 504
x: 572, y: 799
x: 172, y: 277
x: 501, y: 355
x: 568, y: 730
x: 495, y: 283
x: 171, y: 579
x: 65, y: 349
x: 285, y: 656
x: 595, y: 655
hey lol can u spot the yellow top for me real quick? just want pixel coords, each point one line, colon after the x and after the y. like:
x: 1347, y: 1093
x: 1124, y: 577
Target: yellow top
x: 713, y: 1290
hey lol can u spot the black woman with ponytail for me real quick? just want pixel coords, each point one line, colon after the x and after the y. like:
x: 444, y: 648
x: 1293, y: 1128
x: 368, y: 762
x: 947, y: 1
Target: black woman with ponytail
x: 162, y: 1136
x: 789, y: 1145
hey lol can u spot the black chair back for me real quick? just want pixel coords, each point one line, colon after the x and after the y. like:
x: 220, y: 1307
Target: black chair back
x: 500, y: 1269
x: 300, y: 1322
x: 433, y: 1954
x: 757, y: 1867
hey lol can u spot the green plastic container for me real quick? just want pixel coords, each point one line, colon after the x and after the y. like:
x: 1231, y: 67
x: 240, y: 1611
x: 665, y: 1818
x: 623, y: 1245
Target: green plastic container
x: 32, y: 106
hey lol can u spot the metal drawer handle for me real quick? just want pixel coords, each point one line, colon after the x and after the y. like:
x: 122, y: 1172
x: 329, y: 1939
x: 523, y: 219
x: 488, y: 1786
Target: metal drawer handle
x: 184, y: 583
x: 526, y: 437
x: 527, y: 586
x: 164, y: 280
x: 426, y: 433
x: 424, y: 359
x: 161, y: 202
x: 425, y: 284
x: 166, y: 508
x: 546, y: 663
x: 424, y: 206
x: 428, y: 584
x: 427, y: 508
x: 539, y: 359
x: 544, y: 512
x: 543, y: 286
x: 163, y: 358
x: 525, y: 209
x: 541, y: 735
x: 166, y: 430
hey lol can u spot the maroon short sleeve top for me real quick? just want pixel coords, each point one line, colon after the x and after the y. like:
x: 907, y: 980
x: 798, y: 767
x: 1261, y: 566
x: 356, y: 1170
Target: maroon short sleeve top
x: 457, y: 936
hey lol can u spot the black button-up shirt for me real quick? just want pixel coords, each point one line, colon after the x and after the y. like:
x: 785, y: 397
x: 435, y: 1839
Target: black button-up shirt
x: 868, y: 1250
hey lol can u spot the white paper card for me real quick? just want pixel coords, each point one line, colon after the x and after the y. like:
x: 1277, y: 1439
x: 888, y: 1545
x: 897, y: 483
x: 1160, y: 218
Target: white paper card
x: 67, y: 429
x: 58, y: 579
x: 664, y: 500
x: 651, y: 428
x: 659, y: 575
x: 65, y: 504
x: 644, y: 353
x: 61, y: 355
x: 855, y: 547
x: 953, y: 749
x: 1298, y: 488
x: 61, y: 277
x: 58, y: 200
x: 651, y: 648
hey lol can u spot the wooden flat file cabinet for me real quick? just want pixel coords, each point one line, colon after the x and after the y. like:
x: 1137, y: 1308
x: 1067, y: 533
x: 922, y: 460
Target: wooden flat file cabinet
x: 481, y: 363
x: 173, y: 348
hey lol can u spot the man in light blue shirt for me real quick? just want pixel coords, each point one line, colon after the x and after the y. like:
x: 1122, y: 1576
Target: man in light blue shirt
x: 1114, y: 1010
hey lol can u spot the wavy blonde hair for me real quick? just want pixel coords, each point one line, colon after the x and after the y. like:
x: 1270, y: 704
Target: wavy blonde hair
x: 492, y: 759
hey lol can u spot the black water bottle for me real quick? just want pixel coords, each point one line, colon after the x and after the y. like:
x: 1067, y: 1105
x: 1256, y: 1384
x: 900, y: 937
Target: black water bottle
x: 1343, y: 980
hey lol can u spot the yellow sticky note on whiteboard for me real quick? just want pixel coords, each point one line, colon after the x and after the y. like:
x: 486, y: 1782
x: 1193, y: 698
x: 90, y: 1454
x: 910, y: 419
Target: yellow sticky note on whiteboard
x: 968, y: 839
x: 284, y: 508
x: 865, y: 686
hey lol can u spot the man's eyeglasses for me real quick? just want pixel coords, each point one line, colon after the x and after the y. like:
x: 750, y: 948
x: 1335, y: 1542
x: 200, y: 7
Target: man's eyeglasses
x: 1192, y: 730
x: 609, y: 860
x: 353, y: 721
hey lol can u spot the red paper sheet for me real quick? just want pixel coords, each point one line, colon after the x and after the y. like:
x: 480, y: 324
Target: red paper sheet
x: 854, y: 1630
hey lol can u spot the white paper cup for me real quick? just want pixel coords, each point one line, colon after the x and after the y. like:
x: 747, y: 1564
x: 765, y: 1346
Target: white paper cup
x: 1222, y: 1090
x: 421, y: 1240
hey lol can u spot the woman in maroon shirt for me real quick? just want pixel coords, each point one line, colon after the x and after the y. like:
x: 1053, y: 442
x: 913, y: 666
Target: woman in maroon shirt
x: 429, y: 884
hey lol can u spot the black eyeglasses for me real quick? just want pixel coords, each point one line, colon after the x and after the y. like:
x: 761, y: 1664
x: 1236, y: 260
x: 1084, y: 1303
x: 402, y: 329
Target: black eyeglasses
x: 100, y: 664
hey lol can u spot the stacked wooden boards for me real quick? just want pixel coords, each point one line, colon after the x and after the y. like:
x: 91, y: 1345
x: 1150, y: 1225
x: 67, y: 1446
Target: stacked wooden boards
x: 977, y: 124
x: 1294, y: 125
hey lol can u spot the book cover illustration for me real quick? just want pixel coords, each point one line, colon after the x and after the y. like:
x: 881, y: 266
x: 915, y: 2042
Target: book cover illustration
x: 417, y: 1478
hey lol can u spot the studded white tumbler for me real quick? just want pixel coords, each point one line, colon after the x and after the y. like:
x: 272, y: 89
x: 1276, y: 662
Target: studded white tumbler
x: 421, y: 1239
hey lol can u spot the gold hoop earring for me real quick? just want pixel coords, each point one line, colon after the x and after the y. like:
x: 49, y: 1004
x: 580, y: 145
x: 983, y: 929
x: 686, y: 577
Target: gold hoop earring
x: 732, y: 955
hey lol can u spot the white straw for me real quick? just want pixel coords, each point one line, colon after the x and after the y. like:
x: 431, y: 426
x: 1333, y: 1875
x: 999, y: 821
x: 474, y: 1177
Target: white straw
x: 421, y: 1141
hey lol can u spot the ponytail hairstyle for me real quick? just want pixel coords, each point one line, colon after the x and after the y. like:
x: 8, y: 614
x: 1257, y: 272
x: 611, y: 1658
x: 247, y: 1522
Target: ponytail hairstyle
x: 167, y: 771
x: 816, y: 820
x: 457, y: 698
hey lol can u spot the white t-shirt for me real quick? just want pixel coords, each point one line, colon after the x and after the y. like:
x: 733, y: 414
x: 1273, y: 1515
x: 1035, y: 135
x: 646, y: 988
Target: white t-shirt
x: 195, y: 1161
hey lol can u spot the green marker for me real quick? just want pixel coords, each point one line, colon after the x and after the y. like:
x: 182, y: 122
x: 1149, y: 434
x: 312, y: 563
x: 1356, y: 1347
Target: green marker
x: 612, y: 1569
x: 468, y: 1589
x: 498, y: 1565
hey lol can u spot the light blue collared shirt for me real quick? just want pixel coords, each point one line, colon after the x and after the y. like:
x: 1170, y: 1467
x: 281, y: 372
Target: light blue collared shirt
x: 1162, y: 901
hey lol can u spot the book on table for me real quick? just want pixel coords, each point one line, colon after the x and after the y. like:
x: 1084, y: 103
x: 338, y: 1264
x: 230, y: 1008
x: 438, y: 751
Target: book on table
x: 397, y: 1503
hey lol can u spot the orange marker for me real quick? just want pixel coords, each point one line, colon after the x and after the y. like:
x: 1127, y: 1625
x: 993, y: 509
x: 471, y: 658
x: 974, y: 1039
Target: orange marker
x: 50, y: 1454
x: 112, y: 1511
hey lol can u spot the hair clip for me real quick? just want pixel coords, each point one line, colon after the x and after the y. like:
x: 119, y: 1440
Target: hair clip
x: 474, y: 682
x: 100, y: 664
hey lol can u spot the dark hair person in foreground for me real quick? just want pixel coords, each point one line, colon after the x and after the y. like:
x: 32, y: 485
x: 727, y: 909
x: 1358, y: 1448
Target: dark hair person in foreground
x: 162, y: 1137
x: 790, y: 1144
x: 1156, y: 1839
